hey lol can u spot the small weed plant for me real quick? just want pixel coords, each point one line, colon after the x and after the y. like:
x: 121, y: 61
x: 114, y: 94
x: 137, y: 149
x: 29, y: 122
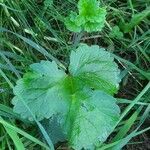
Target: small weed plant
x: 81, y: 99
x: 73, y: 102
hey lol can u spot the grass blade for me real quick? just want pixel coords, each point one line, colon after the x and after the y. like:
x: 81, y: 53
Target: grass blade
x: 35, y: 46
x: 17, y: 141
x: 8, y: 125
x: 126, y: 127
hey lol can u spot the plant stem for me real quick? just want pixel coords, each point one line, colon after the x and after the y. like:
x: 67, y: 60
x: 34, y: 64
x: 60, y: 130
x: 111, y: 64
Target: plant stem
x: 77, y: 38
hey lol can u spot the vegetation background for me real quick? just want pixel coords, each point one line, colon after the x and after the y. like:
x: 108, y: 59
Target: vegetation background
x: 32, y: 30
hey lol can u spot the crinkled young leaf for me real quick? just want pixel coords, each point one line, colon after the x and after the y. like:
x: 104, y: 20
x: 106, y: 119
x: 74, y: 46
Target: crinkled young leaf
x: 71, y: 24
x: 90, y: 18
x: 95, y: 67
x: 41, y: 91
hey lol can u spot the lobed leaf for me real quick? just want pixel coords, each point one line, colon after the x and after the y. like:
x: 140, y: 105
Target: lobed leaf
x: 91, y: 119
x: 90, y: 18
x: 85, y: 111
x: 95, y: 67
x: 40, y: 89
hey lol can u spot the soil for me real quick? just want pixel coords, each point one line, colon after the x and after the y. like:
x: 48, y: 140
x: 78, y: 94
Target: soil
x: 141, y: 142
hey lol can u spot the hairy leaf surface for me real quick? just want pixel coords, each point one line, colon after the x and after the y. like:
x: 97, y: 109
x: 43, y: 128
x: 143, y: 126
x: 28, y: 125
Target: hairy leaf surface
x: 95, y: 67
x: 80, y: 100
x: 40, y: 89
x: 91, y: 119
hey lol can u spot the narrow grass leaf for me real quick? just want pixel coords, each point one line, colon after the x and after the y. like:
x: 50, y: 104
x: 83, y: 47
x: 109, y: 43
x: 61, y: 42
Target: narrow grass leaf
x: 17, y: 141
x: 10, y: 64
x: 35, y: 46
x: 136, y: 19
x: 126, y: 127
x: 145, y: 74
x: 5, y: 77
x: 134, y: 133
x: 16, y: 129
x: 134, y: 102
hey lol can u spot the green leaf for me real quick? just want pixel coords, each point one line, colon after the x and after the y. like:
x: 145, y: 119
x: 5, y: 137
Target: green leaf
x: 70, y: 22
x: 95, y: 67
x: 90, y: 18
x: 48, y: 3
x: 127, y: 125
x: 136, y: 20
x: 91, y: 119
x: 86, y: 113
x: 116, y: 33
x: 54, y: 130
x: 14, y: 136
x: 21, y: 132
x: 40, y: 24
x: 38, y: 89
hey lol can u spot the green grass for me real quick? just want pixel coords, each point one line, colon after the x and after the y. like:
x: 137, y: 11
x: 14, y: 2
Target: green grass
x: 31, y: 31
